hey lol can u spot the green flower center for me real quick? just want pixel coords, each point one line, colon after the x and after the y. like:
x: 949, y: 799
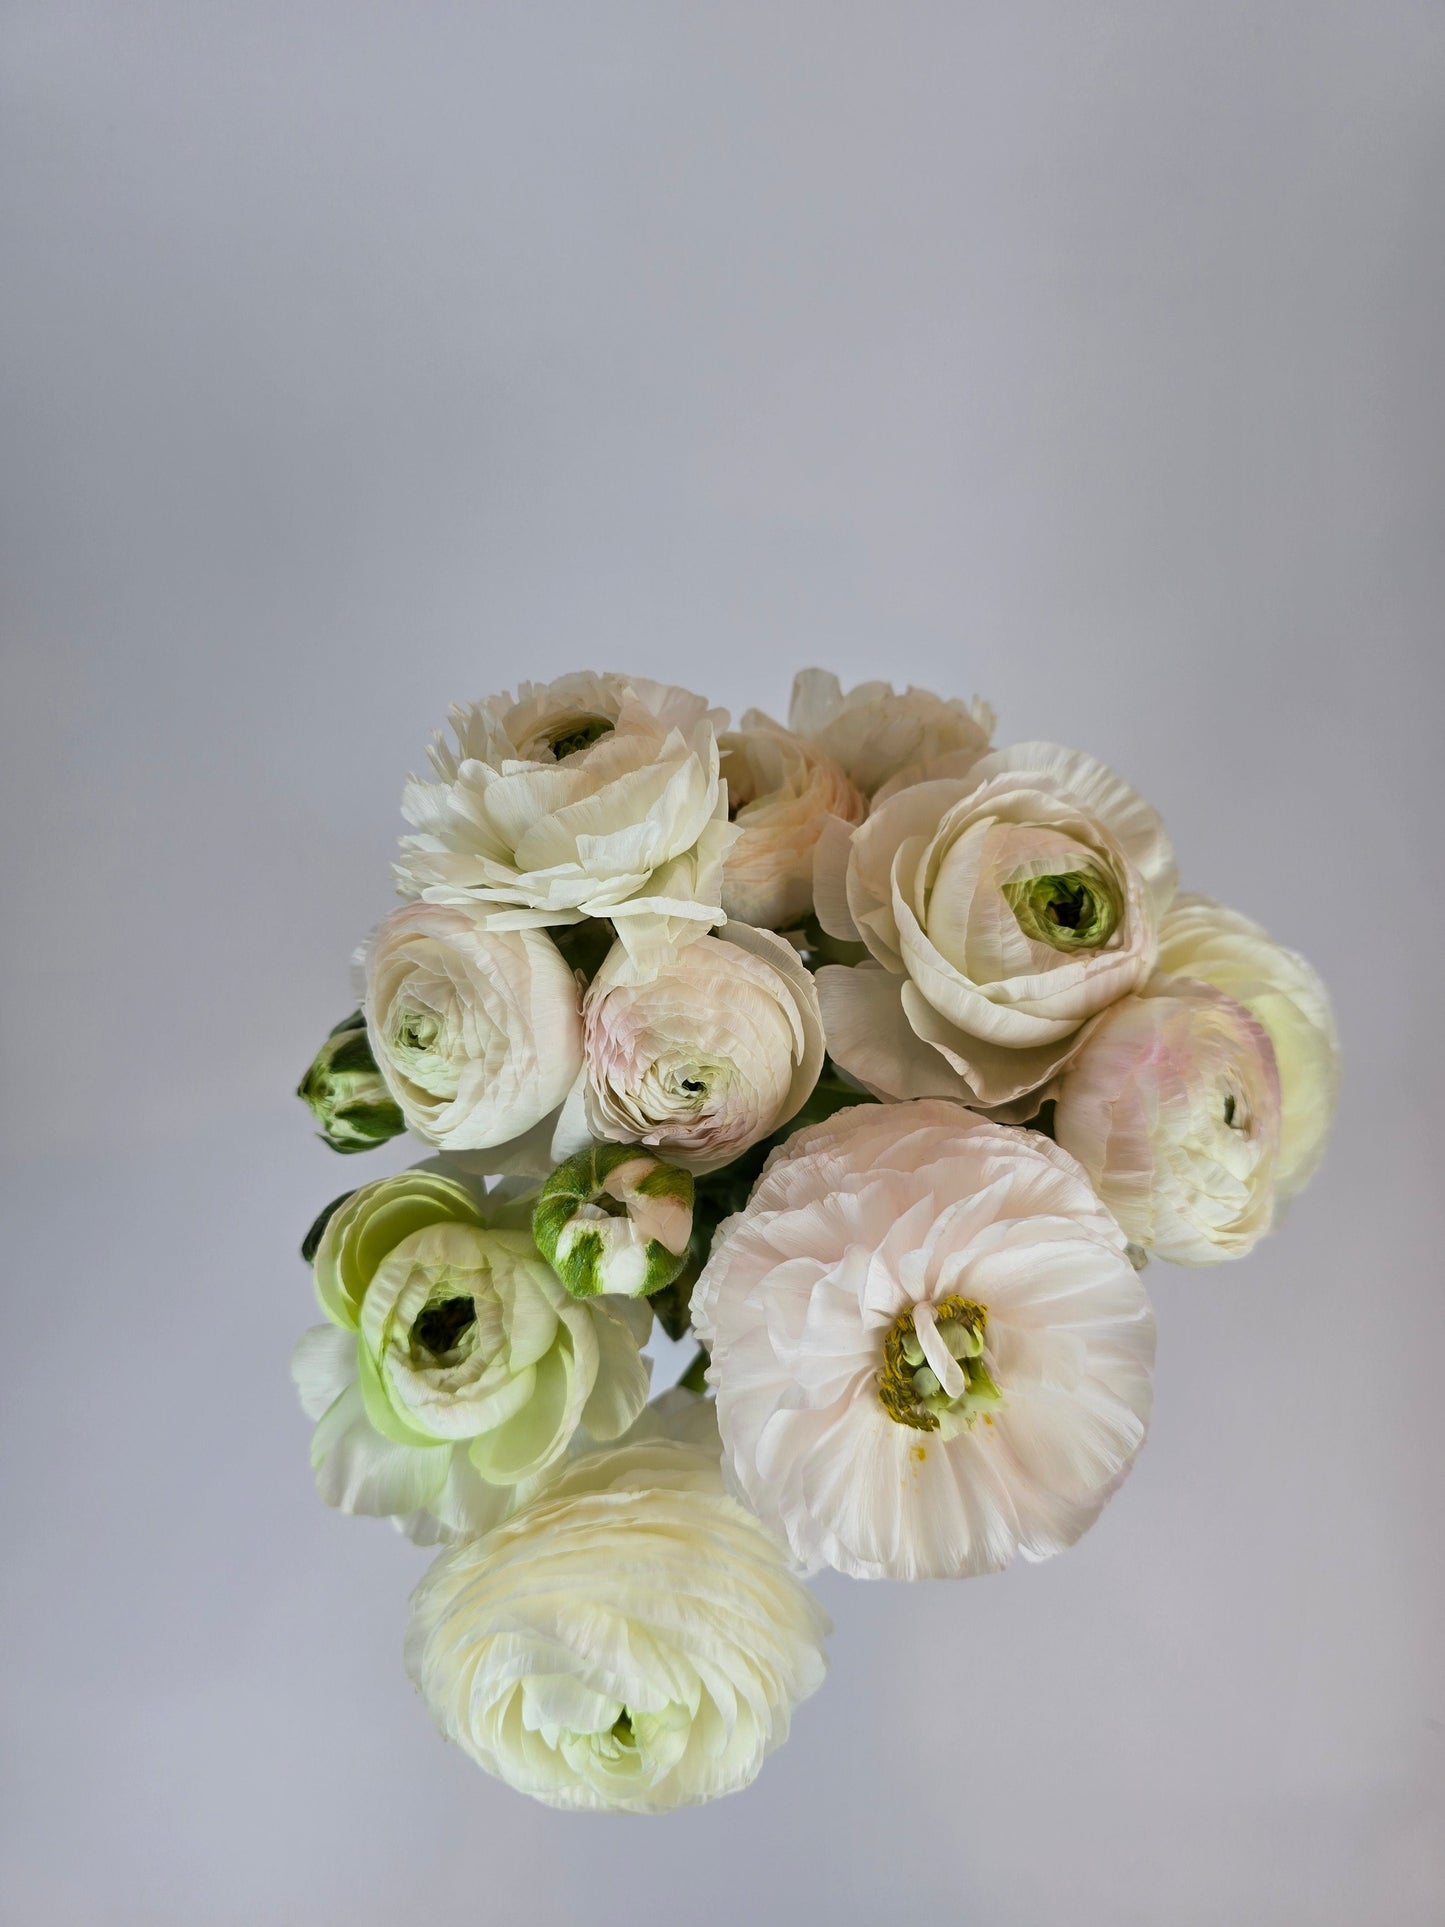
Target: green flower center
x: 913, y: 1394
x: 1075, y: 911
x: 438, y: 1327
x: 417, y: 1030
x: 578, y: 732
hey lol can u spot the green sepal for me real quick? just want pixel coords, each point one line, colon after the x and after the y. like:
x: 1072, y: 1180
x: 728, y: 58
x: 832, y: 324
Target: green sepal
x: 311, y: 1242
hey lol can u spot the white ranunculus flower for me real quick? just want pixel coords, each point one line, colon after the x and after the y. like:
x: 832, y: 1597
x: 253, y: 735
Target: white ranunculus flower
x: 1002, y: 909
x: 929, y: 1348
x: 630, y: 1641
x: 716, y: 1049
x: 1203, y: 939
x: 477, y: 1032
x: 591, y: 796
x: 1172, y: 1107
x: 455, y: 1368
x: 875, y: 735
x: 781, y: 791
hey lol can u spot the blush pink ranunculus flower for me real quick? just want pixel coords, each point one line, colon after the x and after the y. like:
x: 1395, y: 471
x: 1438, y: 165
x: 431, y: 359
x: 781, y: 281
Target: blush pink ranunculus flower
x: 706, y: 1054
x: 929, y: 1348
x: 1172, y: 1107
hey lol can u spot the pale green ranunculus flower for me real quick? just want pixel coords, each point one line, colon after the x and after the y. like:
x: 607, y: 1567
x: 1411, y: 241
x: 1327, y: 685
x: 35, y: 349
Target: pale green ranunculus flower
x: 456, y: 1369
x: 1202, y: 939
x: 631, y: 1640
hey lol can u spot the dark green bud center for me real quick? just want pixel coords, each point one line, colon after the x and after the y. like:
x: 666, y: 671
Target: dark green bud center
x: 1077, y: 910
x: 438, y: 1328
x: 578, y: 732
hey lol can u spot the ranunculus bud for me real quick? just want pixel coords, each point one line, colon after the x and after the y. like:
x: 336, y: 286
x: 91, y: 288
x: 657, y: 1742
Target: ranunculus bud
x: 1172, y: 1107
x: 614, y: 1219
x: 346, y: 1092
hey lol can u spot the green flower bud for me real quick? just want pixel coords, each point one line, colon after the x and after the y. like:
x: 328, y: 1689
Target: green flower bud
x: 346, y: 1093
x: 615, y: 1219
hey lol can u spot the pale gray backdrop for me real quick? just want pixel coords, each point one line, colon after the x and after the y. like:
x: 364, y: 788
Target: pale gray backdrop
x: 363, y: 357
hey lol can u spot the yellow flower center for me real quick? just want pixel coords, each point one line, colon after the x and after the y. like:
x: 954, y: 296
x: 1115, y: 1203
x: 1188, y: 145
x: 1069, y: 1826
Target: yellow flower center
x: 936, y: 1378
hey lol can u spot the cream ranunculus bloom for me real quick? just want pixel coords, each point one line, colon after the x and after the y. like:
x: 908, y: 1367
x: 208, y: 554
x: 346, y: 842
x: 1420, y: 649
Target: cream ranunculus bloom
x: 875, y: 735
x: 1172, y: 1107
x: 455, y: 1367
x: 709, y: 1054
x: 477, y: 1032
x: 1203, y: 939
x: 630, y: 1641
x: 929, y: 1347
x: 1002, y: 909
x: 592, y: 796
x: 781, y: 790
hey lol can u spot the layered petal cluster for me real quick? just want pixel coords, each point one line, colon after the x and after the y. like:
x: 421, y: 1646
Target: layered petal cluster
x: 1002, y: 909
x: 631, y: 1640
x: 714, y: 1050
x: 929, y: 1348
x: 1172, y: 1107
x: 455, y: 1367
x: 477, y: 1032
x: 591, y: 796
x: 877, y: 736
x: 781, y: 791
x: 1201, y: 938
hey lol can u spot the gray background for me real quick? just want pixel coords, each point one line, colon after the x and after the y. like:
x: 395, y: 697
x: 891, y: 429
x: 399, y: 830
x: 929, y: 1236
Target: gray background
x: 360, y: 358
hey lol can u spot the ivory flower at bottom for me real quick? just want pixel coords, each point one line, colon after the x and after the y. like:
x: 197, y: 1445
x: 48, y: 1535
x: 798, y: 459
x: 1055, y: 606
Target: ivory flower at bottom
x: 630, y: 1640
x: 929, y: 1348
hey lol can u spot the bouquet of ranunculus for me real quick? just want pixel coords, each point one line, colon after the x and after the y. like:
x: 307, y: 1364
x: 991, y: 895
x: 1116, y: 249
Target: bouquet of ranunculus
x: 880, y: 1058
